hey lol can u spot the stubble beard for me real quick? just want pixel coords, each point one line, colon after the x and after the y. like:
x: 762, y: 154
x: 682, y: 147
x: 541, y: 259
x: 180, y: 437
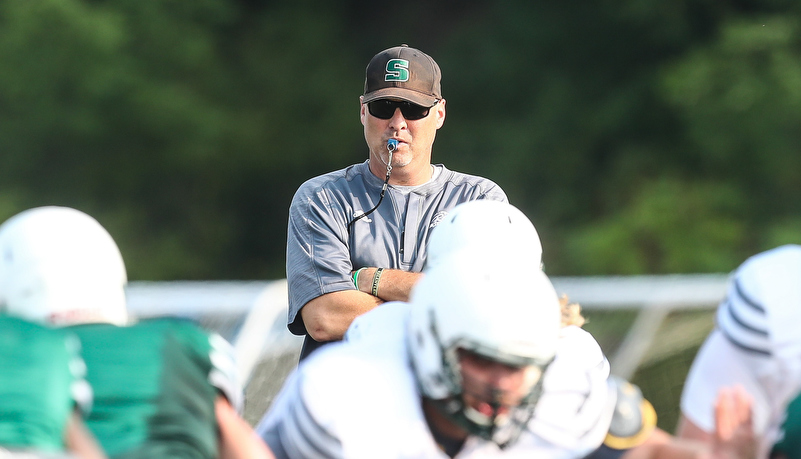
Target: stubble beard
x: 399, y: 159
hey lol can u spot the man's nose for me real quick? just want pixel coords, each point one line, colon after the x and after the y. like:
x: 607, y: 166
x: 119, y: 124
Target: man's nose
x: 503, y: 377
x: 397, y: 121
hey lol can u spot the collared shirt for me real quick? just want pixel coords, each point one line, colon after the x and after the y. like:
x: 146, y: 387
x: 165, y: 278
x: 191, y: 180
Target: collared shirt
x: 322, y: 250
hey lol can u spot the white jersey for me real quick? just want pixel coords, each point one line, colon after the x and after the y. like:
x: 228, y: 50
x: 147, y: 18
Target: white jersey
x: 577, y: 403
x: 360, y: 399
x: 756, y: 344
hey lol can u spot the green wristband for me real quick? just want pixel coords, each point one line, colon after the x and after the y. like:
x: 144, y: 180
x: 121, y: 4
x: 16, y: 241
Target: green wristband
x: 356, y: 277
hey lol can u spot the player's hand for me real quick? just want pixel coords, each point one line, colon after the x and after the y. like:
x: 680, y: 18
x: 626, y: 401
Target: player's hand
x: 734, y: 429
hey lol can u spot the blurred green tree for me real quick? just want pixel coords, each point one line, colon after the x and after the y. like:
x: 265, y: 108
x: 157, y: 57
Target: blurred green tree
x: 183, y: 131
x: 640, y: 137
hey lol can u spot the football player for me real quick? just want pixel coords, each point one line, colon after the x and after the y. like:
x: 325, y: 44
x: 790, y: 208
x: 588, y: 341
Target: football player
x: 754, y: 344
x: 42, y: 392
x: 163, y: 387
x: 424, y: 375
x: 458, y: 379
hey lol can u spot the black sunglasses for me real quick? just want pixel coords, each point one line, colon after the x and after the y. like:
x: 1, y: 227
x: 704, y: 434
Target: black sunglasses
x: 385, y: 109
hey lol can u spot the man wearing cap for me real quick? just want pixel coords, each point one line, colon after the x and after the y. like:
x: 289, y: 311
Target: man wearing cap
x: 356, y: 237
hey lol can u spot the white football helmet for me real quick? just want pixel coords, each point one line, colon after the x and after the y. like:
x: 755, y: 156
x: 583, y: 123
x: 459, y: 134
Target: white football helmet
x: 59, y: 266
x: 494, y: 305
x: 484, y: 225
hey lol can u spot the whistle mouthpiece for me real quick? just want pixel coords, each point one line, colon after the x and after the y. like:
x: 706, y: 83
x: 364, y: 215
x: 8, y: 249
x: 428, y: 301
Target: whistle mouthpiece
x: 392, y: 144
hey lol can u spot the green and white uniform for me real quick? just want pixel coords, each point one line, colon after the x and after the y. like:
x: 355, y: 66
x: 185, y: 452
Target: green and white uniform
x: 790, y: 444
x: 155, y: 384
x: 41, y: 381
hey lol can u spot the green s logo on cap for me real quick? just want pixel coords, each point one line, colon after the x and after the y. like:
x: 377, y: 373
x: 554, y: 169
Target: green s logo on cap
x: 397, y: 70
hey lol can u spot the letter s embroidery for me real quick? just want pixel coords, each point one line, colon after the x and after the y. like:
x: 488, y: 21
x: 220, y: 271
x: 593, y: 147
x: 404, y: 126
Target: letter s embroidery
x: 397, y: 70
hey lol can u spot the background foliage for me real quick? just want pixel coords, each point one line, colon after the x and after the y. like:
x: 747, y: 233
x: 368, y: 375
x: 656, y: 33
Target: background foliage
x: 639, y: 136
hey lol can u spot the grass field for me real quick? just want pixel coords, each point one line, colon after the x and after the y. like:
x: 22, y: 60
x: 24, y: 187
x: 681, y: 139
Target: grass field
x: 265, y: 382
x: 664, y: 367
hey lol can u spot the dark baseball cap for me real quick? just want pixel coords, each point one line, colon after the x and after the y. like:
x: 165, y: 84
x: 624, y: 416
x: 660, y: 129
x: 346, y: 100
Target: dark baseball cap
x: 403, y: 73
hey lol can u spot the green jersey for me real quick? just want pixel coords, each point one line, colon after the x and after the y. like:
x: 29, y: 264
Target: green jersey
x: 790, y: 444
x: 41, y: 381
x: 155, y: 383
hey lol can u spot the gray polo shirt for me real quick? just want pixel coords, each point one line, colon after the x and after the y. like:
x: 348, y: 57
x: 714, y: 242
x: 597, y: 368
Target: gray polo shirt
x: 322, y: 253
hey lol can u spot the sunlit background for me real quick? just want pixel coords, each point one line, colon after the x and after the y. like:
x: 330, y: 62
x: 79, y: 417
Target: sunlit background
x: 641, y: 137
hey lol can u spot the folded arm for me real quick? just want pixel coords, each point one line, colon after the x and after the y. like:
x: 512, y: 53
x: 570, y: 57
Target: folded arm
x: 328, y: 316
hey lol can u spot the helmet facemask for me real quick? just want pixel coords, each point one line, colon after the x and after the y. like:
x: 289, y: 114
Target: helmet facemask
x: 465, y: 306
x: 502, y: 429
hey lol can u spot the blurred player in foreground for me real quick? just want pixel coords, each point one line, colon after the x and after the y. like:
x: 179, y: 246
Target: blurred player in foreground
x: 163, y: 388
x: 461, y: 379
x: 42, y: 392
x: 573, y: 411
x: 579, y: 376
x: 579, y: 397
x: 457, y: 380
x: 756, y: 344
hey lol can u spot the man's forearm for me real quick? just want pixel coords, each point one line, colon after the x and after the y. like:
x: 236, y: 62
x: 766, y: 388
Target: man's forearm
x: 391, y: 285
x: 328, y: 316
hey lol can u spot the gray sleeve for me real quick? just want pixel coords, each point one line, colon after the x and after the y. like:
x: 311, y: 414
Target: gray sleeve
x: 317, y: 255
x: 493, y: 192
x: 470, y: 187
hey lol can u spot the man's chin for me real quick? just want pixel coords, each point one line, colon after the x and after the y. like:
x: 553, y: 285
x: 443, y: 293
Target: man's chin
x: 402, y: 161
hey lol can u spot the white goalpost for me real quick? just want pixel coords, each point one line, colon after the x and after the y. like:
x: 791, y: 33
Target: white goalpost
x: 252, y: 314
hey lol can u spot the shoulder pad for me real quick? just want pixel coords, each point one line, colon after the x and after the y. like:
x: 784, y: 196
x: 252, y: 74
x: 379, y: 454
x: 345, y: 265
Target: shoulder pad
x: 634, y: 418
x: 80, y: 388
x: 224, y: 374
